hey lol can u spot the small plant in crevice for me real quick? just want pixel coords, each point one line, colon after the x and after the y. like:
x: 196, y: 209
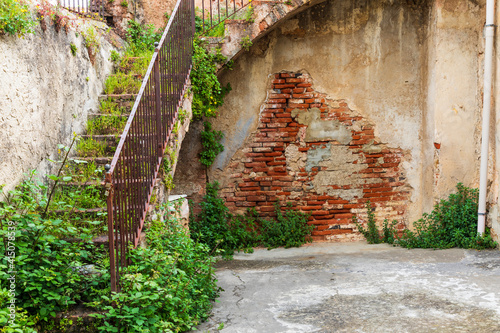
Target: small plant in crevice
x: 92, y: 42
x: 249, y: 14
x: 73, y: 49
x: 124, y: 4
x: 246, y: 43
x: 371, y: 232
x: 210, y: 141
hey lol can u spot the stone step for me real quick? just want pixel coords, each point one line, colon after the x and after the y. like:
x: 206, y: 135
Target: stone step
x: 109, y: 139
x: 97, y: 115
x: 100, y: 160
x: 124, y: 97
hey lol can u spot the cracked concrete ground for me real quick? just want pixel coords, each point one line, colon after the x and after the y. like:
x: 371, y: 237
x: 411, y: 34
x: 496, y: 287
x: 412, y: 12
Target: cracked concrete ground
x: 357, y: 287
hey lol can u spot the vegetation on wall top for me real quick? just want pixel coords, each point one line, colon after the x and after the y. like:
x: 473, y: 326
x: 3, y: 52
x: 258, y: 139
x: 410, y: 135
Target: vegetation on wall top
x: 15, y: 17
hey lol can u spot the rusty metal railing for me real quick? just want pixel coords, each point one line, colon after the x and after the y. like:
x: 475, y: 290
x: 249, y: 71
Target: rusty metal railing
x: 88, y: 8
x: 215, y: 12
x: 131, y: 176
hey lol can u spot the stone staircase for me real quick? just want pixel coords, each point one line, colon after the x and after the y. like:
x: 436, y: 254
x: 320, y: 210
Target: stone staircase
x: 94, y: 150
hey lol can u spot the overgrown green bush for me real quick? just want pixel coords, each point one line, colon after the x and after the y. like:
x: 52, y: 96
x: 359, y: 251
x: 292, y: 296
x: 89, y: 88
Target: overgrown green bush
x: 290, y: 229
x: 168, y: 287
x: 219, y: 229
x: 46, y: 266
x: 210, y: 141
x: 452, y: 223
x: 142, y: 37
x: 15, y: 17
x: 208, y: 94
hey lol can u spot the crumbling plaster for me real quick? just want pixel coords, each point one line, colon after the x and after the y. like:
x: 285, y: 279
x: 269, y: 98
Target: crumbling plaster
x: 46, y: 94
x: 412, y: 70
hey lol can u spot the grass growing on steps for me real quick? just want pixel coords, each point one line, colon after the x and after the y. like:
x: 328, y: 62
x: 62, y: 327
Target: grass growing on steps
x: 122, y: 83
x: 106, y: 125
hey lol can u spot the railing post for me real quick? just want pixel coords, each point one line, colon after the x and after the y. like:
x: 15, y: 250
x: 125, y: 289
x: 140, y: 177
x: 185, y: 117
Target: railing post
x: 156, y: 73
x: 111, y: 239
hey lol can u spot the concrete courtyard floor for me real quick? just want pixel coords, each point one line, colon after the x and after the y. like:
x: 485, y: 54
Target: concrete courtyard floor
x: 358, y: 287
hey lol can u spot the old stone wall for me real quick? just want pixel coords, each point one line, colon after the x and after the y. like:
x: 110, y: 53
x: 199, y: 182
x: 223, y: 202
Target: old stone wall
x: 46, y: 94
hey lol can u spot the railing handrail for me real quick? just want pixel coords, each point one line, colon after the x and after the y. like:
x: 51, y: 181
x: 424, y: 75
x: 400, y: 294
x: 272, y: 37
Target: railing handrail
x: 209, y: 19
x: 88, y: 10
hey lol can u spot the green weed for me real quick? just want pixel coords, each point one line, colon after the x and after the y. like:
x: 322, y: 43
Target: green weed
x: 210, y: 141
x: 106, y: 125
x: 219, y: 229
x: 73, y: 49
x: 290, y: 229
x: 111, y: 107
x: 246, y: 43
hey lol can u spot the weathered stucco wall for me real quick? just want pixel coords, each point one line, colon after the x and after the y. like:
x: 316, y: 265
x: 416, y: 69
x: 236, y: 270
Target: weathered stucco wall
x: 412, y: 69
x: 369, y: 54
x: 46, y: 94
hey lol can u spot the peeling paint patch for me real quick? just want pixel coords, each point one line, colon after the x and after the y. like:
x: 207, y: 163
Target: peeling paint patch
x: 319, y: 129
x: 340, y: 171
x: 314, y: 156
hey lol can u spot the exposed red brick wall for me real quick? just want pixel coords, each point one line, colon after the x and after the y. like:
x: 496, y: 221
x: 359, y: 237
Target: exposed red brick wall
x: 265, y: 173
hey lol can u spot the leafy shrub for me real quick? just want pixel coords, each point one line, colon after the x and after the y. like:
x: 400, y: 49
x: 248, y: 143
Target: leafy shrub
x: 168, y: 287
x: 289, y: 230
x: 210, y: 141
x: 208, y: 94
x: 15, y: 17
x: 142, y: 37
x: 47, y: 276
x: 452, y: 223
x: 217, y: 228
